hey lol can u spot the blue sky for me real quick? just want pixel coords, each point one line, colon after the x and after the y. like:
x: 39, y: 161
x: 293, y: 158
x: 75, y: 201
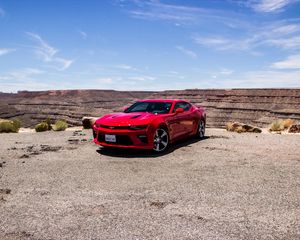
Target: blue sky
x: 149, y: 45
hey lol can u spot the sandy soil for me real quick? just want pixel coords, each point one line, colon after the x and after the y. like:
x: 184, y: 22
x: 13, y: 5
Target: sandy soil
x: 59, y: 185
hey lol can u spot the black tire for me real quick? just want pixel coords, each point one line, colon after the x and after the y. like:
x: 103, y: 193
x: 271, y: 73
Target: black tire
x: 161, y: 140
x: 201, y: 129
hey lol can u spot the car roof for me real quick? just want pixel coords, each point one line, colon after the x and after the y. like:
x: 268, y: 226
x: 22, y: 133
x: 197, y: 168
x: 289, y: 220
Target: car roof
x: 162, y: 100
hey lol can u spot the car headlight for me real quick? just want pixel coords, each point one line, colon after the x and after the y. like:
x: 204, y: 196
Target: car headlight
x: 138, y: 127
x: 97, y: 125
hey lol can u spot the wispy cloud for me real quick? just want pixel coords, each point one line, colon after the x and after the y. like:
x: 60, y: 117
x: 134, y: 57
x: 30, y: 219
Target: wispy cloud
x: 287, y: 43
x: 2, y: 12
x: 125, y: 67
x: 280, y: 34
x: 142, y: 78
x: 226, y: 71
x: 48, y: 53
x: 187, y: 52
x: 180, y: 14
x: 21, y: 74
x: 104, y: 80
x: 83, y: 34
x: 270, y: 5
x: 4, y: 51
x: 292, y: 62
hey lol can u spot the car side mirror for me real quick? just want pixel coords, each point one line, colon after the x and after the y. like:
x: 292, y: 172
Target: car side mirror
x: 179, y: 110
x: 125, y: 109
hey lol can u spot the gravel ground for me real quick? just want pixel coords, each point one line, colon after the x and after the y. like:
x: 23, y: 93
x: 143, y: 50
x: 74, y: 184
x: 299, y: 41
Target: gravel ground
x: 59, y: 185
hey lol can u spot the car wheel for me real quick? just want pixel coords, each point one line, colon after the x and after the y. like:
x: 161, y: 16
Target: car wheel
x: 161, y: 140
x: 201, y: 129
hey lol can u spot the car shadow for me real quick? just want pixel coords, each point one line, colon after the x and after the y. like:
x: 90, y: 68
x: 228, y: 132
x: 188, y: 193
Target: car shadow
x: 137, y: 153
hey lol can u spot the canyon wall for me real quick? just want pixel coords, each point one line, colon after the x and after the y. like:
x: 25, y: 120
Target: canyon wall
x: 253, y: 106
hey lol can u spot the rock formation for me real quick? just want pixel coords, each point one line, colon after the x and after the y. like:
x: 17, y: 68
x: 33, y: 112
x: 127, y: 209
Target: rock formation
x: 251, y: 106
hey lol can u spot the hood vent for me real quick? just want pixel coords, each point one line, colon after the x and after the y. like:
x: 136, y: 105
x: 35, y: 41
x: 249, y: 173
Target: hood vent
x: 136, y: 116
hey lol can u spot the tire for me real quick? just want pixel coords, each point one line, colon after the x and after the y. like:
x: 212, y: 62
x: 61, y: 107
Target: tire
x: 161, y: 140
x: 201, y: 130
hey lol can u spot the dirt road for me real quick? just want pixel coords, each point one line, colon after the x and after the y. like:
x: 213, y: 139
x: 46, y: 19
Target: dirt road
x: 59, y: 185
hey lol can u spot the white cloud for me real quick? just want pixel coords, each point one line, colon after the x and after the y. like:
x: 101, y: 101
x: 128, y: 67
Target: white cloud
x: 217, y: 42
x: 261, y: 79
x: 125, y: 67
x: 270, y: 5
x: 287, y: 29
x: 83, y: 34
x: 2, y: 12
x: 142, y: 78
x: 292, y: 62
x: 20, y: 74
x: 48, y: 53
x: 4, y: 51
x: 105, y: 80
x: 287, y: 43
x: 225, y: 71
x: 187, y: 52
x: 276, y: 34
x: 180, y: 14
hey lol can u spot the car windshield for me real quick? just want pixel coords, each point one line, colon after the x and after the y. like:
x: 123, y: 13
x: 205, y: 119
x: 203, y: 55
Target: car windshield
x: 151, y: 107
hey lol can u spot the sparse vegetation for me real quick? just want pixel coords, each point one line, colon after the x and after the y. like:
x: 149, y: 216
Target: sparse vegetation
x: 41, y: 127
x: 280, y: 125
x: 48, y: 121
x: 241, y: 128
x: 287, y: 123
x: 9, y: 126
x: 17, y: 123
x: 60, y: 125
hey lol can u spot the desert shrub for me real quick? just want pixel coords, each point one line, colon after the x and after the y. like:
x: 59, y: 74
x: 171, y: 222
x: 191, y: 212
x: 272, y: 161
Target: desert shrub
x: 287, y: 123
x: 229, y: 126
x: 280, y: 125
x: 8, y: 126
x: 41, y: 127
x: 60, y: 125
x: 17, y: 123
x: 240, y: 129
x: 276, y: 126
x: 48, y: 121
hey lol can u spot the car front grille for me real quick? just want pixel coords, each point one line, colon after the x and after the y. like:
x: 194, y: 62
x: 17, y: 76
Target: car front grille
x: 115, y: 127
x: 120, y: 140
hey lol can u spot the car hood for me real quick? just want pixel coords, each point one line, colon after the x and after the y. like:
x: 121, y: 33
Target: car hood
x: 125, y: 119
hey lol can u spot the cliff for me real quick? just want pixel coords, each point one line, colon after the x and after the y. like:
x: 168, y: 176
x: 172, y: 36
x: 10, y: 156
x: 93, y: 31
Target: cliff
x: 253, y: 106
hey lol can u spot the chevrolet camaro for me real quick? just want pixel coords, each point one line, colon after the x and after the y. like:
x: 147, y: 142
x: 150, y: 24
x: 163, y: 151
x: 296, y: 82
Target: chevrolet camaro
x: 150, y: 124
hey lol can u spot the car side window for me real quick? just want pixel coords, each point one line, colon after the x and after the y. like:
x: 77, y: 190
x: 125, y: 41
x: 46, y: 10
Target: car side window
x: 186, y: 106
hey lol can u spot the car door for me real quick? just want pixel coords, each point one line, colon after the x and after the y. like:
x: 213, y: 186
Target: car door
x: 186, y: 118
x: 182, y: 121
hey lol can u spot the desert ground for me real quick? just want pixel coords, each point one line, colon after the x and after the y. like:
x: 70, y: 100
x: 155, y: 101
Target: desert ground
x: 60, y: 185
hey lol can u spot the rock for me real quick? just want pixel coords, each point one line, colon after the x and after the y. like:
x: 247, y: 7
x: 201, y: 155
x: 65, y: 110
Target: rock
x: 5, y: 191
x: 87, y: 122
x: 241, y: 128
x: 295, y: 128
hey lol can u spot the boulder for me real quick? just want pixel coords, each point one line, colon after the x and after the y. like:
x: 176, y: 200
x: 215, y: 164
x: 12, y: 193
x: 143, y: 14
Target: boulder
x: 241, y: 128
x: 295, y: 128
x: 88, y: 122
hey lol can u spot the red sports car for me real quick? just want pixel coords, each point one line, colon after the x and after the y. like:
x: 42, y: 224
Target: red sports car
x: 150, y: 124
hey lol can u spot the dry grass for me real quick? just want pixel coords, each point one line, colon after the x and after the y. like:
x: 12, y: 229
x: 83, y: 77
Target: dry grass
x: 280, y: 125
x: 241, y: 128
x: 287, y: 123
x: 41, y: 127
x: 9, y: 126
x: 60, y: 125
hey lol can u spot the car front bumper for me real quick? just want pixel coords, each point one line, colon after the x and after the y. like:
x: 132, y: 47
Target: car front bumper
x: 133, y: 139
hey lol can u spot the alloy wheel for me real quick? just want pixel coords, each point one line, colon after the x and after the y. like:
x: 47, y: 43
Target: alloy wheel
x: 201, y: 129
x: 161, y: 140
